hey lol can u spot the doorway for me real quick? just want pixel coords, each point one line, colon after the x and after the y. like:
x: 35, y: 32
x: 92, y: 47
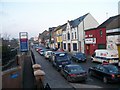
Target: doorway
x: 69, y: 47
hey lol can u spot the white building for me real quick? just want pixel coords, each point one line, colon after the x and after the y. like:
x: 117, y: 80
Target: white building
x: 113, y: 33
x: 73, y: 36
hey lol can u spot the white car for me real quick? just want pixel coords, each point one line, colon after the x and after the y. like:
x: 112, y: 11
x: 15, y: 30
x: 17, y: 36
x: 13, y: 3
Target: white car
x: 48, y: 54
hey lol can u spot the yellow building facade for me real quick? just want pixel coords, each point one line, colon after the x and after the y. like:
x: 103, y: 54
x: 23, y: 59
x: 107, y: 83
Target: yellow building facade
x: 59, y: 40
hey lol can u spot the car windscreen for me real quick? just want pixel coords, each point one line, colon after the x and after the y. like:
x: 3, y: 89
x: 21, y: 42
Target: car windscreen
x: 62, y: 57
x: 49, y: 53
x: 76, y: 69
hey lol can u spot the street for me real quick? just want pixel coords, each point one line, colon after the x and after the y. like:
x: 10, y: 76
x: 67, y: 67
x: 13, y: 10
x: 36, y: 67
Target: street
x: 56, y: 80
x: 52, y: 77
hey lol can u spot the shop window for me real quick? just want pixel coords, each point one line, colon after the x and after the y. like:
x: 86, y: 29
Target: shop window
x: 75, y: 46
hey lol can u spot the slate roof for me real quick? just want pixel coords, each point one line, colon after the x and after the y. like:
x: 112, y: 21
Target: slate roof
x: 63, y: 27
x: 108, y: 21
x: 76, y: 22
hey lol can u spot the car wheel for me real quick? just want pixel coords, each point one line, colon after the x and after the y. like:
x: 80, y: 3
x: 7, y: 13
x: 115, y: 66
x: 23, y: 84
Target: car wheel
x: 68, y: 79
x: 105, y: 80
x: 57, y: 69
x: 76, y: 60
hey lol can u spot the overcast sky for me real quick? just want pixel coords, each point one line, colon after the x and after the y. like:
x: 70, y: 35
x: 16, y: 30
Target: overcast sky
x: 35, y: 16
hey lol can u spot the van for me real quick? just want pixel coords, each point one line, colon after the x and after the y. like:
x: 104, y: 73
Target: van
x: 103, y: 55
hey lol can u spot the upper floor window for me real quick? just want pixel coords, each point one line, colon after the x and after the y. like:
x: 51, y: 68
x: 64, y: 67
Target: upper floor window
x: 75, y: 35
x: 101, y: 33
x: 72, y: 35
x: 65, y: 36
x: 68, y: 34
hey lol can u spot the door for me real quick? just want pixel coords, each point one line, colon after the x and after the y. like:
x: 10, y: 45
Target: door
x: 69, y: 47
x: 88, y: 49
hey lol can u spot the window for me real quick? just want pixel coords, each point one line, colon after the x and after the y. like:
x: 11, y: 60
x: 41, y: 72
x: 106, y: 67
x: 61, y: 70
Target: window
x: 101, y: 33
x: 75, y: 35
x: 72, y: 35
x: 64, y: 45
x: 75, y: 46
x: 68, y: 36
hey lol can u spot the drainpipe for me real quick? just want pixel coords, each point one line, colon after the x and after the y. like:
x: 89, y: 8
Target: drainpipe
x: 118, y: 48
x: 83, y: 35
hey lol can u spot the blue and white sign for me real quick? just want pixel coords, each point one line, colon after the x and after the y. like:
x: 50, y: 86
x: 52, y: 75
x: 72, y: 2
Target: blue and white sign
x: 23, y: 41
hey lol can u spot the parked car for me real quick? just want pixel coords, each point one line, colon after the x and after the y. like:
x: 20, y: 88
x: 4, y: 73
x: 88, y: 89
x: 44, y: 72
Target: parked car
x: 38, y: 48
x: 42, y: 52
x: 48, y: 54
x: 79, y: 57
x: 74, y: 73
x: 106, y: 72
x: 60, y: 59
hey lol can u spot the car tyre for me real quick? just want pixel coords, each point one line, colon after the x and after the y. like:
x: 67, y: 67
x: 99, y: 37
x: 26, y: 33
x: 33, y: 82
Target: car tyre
x: 68, y: 79
x: 105, y: 80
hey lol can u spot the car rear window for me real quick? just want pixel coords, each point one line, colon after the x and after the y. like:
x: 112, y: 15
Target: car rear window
x: 112, y: 68
x: 62, y: 57
x: 76, y: 69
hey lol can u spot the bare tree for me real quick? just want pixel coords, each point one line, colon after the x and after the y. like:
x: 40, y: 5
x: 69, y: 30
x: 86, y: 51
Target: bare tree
x: 6, y: 36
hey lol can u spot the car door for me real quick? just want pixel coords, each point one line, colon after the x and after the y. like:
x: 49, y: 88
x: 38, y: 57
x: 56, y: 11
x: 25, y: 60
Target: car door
x: 96, y: 71
x: 101, y: 72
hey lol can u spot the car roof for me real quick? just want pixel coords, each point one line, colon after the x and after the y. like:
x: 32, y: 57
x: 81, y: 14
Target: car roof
x: 73, y: 65
x: 58, y: 52
x: 106, y: 65
x: 49, y: 51
x: 80, y: 53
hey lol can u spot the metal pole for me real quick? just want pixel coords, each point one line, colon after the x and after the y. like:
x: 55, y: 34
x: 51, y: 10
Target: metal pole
x: 83, y: 36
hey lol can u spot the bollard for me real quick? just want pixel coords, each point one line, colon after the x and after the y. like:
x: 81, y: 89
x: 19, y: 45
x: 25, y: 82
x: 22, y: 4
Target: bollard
x: 39, y: 75
x: 36, y: 67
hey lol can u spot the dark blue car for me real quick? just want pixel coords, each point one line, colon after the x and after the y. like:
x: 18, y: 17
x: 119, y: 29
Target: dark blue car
x: 79, y: 57
x: 60, y: 59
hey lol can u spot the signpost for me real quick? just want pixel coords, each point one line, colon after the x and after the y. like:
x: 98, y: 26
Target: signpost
x: 23, y: 36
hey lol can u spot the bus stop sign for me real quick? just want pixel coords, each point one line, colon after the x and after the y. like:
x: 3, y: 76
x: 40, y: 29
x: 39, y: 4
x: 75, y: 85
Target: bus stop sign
x: 23, y: 41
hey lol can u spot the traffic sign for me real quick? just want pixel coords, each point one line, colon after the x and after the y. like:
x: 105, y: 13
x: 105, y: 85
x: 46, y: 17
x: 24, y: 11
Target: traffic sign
x: 23, y: 41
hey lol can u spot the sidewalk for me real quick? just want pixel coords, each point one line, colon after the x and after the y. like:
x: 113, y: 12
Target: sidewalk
x: 28, y: 75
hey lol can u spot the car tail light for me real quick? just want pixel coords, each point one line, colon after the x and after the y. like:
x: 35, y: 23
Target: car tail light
x: 113, y: 76
x: 72, y: 75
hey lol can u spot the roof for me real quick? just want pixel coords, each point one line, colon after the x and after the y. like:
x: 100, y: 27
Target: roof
x: 91, y: 29
x: 77, y: 21
x: 108, y: 21
x: 63, y: 27
x: 52, y: 28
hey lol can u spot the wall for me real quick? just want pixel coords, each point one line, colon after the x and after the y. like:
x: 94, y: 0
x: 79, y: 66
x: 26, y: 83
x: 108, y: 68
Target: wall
x: 90, y: 22
x: 99, y: 39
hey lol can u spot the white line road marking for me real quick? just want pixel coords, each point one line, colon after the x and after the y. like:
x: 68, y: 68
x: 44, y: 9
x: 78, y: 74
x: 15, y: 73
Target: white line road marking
x: 81, y: 85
